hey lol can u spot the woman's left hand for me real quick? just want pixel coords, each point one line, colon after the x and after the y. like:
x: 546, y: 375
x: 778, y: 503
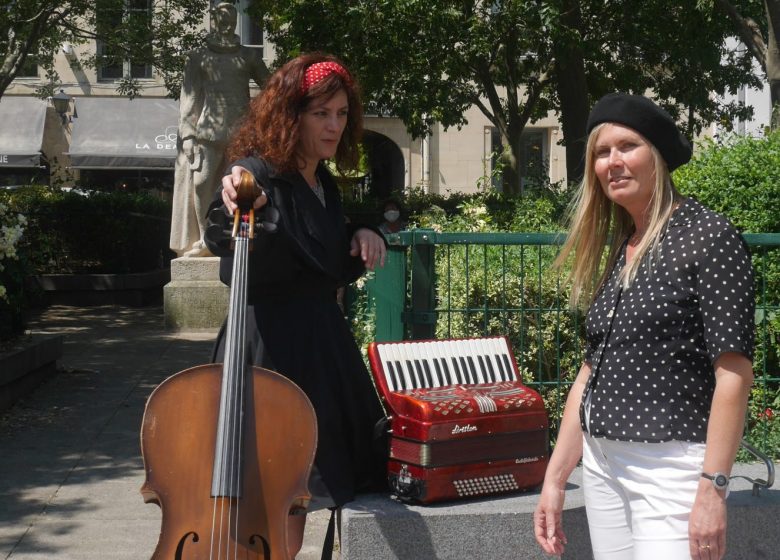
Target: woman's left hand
x: 369, y: 246
x: 707, y: 525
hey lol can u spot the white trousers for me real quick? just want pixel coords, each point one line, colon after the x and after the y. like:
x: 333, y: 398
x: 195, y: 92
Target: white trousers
x: 639, y: 496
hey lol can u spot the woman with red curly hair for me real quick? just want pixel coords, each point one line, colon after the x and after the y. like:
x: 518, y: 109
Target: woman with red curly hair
x: 308, y: 112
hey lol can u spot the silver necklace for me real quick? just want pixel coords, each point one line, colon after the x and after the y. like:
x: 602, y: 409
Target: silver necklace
x: 319, y: 191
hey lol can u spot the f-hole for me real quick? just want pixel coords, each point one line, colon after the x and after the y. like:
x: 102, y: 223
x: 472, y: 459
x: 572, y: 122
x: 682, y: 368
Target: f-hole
x: 180, y: 548
x: 254, y: 539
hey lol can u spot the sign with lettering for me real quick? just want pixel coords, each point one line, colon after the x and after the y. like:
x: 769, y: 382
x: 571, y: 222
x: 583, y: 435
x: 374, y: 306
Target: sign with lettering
x: 21, y: 131
x: 164, y: 141
x: 20, y: 160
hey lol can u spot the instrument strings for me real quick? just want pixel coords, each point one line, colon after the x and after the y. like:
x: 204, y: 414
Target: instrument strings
x: 231, y: 417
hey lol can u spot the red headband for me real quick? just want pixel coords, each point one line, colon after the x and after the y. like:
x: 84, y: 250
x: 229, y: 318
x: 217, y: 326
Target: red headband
x: 319, y: 71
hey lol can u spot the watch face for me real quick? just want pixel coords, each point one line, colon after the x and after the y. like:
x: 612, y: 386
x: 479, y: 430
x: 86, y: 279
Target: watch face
x: 721, y: 481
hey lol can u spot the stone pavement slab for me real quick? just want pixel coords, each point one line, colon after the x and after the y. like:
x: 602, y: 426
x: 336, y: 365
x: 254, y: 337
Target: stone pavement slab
x: 71, y: 470
x: 70, y: 463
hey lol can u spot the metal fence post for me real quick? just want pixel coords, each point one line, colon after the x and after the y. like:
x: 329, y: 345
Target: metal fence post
x: 388, y: 292
x: 422, y: 316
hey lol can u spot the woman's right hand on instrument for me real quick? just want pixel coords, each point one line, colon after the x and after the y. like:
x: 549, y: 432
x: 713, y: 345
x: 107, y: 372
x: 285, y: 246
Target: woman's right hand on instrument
x: 548, y: 520
x: 229, y: 194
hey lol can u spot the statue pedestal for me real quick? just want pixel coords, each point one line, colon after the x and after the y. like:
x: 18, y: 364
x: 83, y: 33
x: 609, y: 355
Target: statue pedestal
x: 195, y: 299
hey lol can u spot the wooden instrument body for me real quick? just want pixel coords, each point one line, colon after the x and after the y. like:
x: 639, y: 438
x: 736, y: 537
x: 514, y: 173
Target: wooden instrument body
x: 228, y: 448
x: 177, y: 441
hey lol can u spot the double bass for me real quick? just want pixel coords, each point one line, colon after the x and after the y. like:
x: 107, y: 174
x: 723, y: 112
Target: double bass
x: 228, y: 448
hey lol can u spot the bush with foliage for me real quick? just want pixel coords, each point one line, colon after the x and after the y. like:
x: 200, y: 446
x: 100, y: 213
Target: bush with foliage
x: 13, y: 270
x: 101, y: 232
x: 509, y: 290
x: 740, y: 178
x: 507, y: 213
x: 499, y: 289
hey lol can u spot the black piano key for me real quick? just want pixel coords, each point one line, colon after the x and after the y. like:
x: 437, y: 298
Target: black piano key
x: 412, y: 378
x: 420, y: 378
x: 502, y: 375
x: 428, y: 376
x: 439, y: 373
x: 482, y: 368
x: 472, y: 369
x: 449, y: 377
x: 463, y: 370
x: 398, y: 375
x: 505, y: 373
x: 491, y: 373
x: 390, y: 376
x: 460, y: 377
x: 507, y: 364
x: 401, y: 379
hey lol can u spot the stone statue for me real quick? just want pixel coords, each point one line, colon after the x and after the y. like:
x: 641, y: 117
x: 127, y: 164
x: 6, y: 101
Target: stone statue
x: 214, y: 94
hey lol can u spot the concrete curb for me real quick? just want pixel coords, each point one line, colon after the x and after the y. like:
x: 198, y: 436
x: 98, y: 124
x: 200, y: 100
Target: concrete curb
x: 24, y: 368
x: 381, y: 528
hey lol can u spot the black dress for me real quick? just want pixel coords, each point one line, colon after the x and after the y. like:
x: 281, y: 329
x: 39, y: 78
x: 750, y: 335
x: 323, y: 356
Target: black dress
x: 295, y: 326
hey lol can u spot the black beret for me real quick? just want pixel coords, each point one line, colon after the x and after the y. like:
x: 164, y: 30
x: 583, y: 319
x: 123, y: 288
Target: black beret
x: 648, y: 119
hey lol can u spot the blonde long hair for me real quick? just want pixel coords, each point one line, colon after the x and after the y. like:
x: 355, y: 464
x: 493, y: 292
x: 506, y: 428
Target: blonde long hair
x: 594, y: 220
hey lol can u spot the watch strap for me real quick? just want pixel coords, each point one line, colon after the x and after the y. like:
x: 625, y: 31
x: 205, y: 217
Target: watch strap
x: 719, y: 480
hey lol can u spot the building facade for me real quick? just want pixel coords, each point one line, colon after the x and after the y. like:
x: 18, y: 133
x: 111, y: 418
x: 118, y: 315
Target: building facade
x: 107, y: 141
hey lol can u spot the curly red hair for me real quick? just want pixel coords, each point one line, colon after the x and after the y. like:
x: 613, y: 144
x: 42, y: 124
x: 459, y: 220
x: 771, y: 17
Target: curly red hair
x: 270, y: 128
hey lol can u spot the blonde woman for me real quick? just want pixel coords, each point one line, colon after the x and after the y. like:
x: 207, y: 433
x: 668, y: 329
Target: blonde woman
x: 657, y: 409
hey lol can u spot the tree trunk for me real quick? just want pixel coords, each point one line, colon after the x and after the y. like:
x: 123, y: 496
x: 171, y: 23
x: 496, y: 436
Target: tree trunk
x: 773, y: 59
x: 572, y: 87
x: 9, y: 67
x: 511, y: 179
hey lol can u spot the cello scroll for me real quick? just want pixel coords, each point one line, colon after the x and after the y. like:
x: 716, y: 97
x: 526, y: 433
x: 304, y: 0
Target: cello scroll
x: 246, y: 193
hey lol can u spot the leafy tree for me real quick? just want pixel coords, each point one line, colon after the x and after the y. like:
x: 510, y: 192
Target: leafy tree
x: 760, y: 35
x: 428, y: 61
x: 34, y: 30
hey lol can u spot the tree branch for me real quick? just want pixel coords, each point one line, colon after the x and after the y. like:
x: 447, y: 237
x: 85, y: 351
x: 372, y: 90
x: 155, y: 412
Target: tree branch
x: 748, y: 30
x: 498, y: 116
x: 490, y: 116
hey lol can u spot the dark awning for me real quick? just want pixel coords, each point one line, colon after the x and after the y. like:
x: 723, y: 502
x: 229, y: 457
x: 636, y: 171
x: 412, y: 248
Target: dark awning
x: 21, y: 131
x: 121, y: 133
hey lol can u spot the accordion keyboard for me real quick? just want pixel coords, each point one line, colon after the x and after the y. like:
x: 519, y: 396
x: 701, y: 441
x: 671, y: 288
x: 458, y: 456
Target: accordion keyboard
x: 417, y: 365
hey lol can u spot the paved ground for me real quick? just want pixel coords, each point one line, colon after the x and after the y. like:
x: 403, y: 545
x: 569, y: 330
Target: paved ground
x: 70, y: 465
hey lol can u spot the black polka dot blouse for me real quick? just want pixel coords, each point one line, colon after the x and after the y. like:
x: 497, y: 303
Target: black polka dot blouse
x: 652, y: 347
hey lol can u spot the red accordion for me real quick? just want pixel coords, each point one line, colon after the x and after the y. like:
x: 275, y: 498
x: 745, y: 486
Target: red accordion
x: 462, y: 423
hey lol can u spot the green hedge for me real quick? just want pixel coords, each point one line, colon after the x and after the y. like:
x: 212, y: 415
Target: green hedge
x: 740, y: 178
x: 69, y: 232
x: 13, y: 270
x: 108, y: 233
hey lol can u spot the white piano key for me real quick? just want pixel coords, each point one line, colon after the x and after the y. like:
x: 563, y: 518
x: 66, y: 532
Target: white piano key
x: 384, y: 350
x: 430, y: 364
x: 494, y: 348
x: 406, y: 376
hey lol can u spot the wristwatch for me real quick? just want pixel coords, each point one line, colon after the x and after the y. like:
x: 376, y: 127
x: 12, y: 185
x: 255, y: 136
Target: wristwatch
x: 719, y: 480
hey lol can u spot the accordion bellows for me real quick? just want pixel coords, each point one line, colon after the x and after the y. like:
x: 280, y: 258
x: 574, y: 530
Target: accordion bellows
x: 462, y: 423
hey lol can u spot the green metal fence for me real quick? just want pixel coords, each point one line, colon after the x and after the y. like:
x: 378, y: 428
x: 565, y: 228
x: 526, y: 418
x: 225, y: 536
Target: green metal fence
x: 455, y: 285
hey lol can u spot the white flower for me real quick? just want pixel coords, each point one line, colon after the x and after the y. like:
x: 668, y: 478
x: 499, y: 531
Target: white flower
x: 11, y: 231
